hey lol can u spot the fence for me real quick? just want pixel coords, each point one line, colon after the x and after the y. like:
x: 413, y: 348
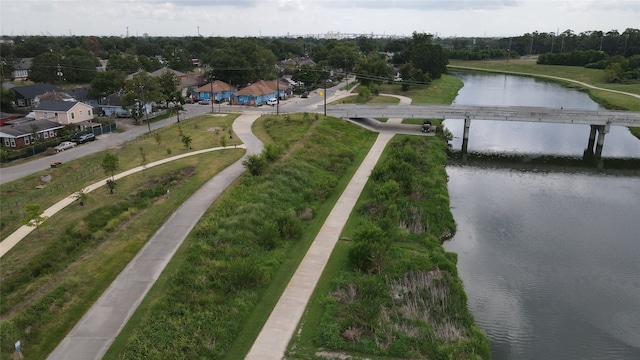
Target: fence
x: 21, y: 201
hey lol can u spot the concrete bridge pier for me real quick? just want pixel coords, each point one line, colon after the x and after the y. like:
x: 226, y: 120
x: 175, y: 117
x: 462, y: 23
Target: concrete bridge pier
x: 602, y: 131
x: 592, y: 138
x: 465, y: 137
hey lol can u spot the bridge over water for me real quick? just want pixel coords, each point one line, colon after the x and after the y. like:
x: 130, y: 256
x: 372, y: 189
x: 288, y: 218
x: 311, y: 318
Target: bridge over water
x: 599, y: 120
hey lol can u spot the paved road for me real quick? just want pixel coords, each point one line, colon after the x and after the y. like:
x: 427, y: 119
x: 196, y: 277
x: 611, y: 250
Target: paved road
x: 94, y: 333
x: 104, y: 142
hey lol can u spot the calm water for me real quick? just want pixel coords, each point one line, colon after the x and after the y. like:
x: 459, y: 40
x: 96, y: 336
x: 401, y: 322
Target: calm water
x: 550, y: 260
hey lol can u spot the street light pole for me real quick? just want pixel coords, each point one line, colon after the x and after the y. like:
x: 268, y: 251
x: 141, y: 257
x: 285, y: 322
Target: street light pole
x: 213, y: 78
x: 277, y: 92
x: 325, y: 91
x: 144, y: 104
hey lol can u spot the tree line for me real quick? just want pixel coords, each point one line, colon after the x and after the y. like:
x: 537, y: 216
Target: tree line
x: 241, y: 61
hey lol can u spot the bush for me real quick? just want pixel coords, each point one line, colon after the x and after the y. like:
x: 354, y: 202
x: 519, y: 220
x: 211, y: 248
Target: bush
x: 255, y: 163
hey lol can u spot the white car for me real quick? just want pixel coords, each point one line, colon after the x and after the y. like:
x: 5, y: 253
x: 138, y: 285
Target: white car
x: 64, y: 146
x: 272, y: 101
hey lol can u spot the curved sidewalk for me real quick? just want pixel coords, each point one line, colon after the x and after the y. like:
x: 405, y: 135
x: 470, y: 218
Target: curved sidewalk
x: 94, y: 333
x: 15, y: 237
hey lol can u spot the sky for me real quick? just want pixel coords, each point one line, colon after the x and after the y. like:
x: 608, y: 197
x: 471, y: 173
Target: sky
x: 242, y: 18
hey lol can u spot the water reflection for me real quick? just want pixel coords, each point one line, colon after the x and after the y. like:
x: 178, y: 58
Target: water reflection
x: 548, y: 251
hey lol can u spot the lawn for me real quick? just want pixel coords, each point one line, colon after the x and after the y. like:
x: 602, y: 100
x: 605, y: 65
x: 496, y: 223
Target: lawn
x: 52, y: 277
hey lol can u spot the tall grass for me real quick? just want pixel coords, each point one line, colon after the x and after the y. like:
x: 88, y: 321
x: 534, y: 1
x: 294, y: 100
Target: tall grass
x: 49, y: 281
x: 244, y: 245
x: 410, y: 303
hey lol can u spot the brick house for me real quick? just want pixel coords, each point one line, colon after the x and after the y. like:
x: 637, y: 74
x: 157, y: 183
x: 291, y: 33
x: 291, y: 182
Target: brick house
x: 19, y: 133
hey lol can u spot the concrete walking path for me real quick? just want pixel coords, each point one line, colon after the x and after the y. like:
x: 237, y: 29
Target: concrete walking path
x: 14, y: 238
x: 94, y: 333
x: 277, y: 332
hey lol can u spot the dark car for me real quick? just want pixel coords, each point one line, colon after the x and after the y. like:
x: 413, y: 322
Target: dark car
x: 83, y: 138
x: 305, y: 94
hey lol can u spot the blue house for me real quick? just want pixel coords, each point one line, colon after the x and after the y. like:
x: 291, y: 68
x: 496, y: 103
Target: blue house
x: 255, y: 94
x: 220, y: 89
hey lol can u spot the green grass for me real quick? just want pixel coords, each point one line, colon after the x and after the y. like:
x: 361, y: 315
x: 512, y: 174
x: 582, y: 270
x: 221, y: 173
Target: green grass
x: 49, y: 281
x: 440, y: 91
x: 197, y: 310
x: 76, y: 175
x: 50, y: 304
x: 410, y: 251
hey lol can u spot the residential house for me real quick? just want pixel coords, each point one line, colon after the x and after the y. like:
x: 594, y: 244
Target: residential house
x: 255, y: 94
x: 18, y: 133
x: 284, y: 88
x: 25, y: 95
x: 21, y: 69
x: 112, y: 106
x: 64, y: 112
x: 82, y: 94
x: 221, y: 91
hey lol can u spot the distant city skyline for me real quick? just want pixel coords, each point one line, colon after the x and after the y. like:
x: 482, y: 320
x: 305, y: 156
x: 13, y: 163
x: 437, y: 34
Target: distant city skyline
x: 241, y: 18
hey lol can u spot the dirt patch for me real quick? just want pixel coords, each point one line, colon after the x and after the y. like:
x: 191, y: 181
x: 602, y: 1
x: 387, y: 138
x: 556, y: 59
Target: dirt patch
x: 188, y: 171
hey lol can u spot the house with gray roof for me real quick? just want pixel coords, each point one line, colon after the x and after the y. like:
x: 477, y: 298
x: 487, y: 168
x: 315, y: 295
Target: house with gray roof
x: 64, y: 112
x: 16, y: 134
x: 21, y: 69
x: 25, y: 95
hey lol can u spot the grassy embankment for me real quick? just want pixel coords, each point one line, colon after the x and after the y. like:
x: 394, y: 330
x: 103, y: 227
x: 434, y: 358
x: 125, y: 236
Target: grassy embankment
x: 52, y: 277
x: 393, y: 292
x: 440, y: 91
x: 593, y: 77
x: 219, y: 289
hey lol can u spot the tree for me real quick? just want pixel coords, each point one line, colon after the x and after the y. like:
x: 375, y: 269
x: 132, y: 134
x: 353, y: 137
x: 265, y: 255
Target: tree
x: 34, y: 138
x: 44, y: 68
x: 33, y: 216
x: 107, y: 83
x: 143, y: 156
x: 426, y: 56
x: 127, y: 64
x: 110, y: 164
x: 186, y: 141
x: 81, y: 196
x: 7, y: 97
x: 140, y: 91
x: 149, y: 64
x: 374, y: 68
x: 168, y: 83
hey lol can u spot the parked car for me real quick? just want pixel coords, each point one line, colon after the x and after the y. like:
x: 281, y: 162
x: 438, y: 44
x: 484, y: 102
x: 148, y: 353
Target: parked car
x: 64, y: 146
x: 86, y: 137
x: 204, y: 102
x: 272, y: 101
x: 305, y: 94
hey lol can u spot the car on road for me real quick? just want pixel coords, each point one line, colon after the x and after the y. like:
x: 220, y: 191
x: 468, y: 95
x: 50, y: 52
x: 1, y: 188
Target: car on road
x: 305, y: 95
x: 204, y: 102
x: 64, y: 146
x: 83, y: 138
x: 272, y: 101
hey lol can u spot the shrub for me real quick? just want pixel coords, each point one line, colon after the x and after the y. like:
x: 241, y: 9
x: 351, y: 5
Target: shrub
x: 255, y: 164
